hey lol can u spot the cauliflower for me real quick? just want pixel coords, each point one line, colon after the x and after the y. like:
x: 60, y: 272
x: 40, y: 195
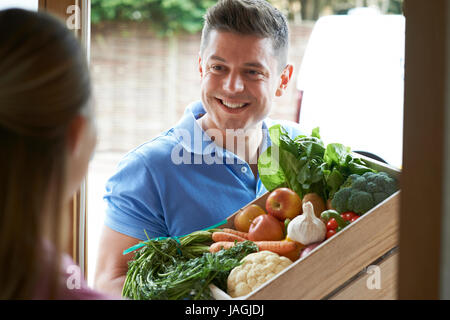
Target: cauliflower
x: 256, y: 269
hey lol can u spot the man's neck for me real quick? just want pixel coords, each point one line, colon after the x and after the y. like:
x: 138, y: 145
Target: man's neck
x: 243, y: 143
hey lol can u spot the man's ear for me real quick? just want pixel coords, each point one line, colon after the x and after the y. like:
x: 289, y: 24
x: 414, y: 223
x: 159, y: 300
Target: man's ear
x: 200, y: 69
x: 75, y: 134
x: 285, y: 78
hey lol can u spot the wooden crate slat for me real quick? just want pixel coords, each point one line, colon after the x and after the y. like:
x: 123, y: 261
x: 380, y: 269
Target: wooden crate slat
x: 358, y: 289
x: 338, y: 259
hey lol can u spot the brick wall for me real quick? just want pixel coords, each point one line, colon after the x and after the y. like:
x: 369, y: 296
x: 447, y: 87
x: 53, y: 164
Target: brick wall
x: 142, y: 83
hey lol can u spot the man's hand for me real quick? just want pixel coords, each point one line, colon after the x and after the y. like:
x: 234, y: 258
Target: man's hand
x: 112, y: 265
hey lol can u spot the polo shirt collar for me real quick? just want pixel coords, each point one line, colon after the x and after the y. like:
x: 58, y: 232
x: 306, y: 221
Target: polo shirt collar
x: 194, y: 140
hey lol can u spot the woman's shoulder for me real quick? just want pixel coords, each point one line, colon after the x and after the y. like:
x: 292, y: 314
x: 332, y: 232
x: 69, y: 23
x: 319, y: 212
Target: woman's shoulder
x: 71, y: 282
x: 74, y: 286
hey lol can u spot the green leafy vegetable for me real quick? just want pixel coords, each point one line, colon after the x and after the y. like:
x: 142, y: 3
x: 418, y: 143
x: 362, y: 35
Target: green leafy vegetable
x: 160, y: 272
x: 269, y: 168
x: 296, y: 163
x: 279, y: 164
x: 305, y: 165
x: 340, y: 164
x: 158, y: 253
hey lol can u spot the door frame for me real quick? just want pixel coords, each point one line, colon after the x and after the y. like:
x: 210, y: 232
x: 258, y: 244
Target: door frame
x: 424, y: 237
x: 69, y: 11
x: 423, y: 242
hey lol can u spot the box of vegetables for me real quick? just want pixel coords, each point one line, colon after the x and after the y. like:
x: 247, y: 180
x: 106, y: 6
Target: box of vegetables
x: 329, y: 217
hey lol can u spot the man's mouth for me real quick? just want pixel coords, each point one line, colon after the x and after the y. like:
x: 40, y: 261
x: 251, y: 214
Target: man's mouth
x: 233, y: 105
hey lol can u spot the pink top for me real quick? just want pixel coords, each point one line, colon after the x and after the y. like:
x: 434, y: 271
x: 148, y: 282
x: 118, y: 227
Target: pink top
x: 72, y: 284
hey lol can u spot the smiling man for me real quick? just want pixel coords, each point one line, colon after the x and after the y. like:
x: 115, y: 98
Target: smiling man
x: 204, y: 168
x: 240, y: 78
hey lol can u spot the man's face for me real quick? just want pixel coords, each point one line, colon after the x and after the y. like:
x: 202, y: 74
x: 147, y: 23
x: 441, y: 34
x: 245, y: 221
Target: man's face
x: 239, y: 80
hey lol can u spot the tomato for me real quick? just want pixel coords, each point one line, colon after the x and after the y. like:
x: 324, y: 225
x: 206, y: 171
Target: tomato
x: 330, y: 233
x: 332, y: 224
x: 348, y: 215
x: 354, y: 219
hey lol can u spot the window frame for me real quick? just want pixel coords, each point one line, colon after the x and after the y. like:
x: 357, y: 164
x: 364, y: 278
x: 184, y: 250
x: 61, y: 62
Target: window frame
x: 77, y: 244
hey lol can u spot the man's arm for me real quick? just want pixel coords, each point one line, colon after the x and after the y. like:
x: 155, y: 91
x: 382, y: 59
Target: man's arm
x: 112, y: 265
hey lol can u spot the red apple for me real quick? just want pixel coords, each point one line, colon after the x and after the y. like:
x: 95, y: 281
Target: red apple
x: 284, y: 203
x: 265, y: 227
x: 245, y: 216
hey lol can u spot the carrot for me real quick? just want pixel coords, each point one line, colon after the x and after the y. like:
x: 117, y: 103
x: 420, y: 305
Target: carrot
x: 217, y: 246
x: 225, y: 236
x: 238, y: 233
x: 280, y: 247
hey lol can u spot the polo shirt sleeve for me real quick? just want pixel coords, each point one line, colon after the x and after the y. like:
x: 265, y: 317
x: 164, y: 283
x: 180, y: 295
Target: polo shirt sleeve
x: 133, y: 202
x: 293, y: 128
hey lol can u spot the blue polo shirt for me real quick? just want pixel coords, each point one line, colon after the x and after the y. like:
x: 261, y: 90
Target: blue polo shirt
x: 181, y: 181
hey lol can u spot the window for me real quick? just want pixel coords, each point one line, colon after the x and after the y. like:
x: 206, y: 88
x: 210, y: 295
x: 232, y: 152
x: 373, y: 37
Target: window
x: 351, y: 82
x: 23, y: 4
x: 143, y: 82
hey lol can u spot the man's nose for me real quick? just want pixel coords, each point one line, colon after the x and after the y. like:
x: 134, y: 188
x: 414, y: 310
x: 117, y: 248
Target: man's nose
x: 233, y: 83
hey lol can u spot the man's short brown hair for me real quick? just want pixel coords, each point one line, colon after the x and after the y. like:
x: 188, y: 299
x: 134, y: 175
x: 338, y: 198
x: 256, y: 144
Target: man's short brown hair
x: 249, y: 17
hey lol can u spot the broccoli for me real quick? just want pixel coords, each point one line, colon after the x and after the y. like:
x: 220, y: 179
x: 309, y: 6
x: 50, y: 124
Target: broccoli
x: 360, y: 193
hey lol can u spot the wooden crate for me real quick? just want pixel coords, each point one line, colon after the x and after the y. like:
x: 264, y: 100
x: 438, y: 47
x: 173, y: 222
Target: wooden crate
x: 346, y: 266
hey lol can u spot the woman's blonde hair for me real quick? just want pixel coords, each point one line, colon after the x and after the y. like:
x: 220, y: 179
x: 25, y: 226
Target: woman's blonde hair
x: 44, y: 84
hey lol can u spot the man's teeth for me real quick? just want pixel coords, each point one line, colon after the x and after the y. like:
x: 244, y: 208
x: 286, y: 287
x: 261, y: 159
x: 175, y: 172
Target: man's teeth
x: 233, y: 105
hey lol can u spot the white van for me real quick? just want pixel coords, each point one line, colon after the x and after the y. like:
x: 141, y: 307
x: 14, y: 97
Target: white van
x: 350, y: 83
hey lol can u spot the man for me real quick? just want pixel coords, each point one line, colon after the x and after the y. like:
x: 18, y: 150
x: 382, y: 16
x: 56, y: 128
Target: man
x: 204, y: 168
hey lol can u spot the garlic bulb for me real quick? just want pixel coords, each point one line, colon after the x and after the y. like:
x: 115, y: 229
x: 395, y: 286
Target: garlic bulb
x: 306, y: 228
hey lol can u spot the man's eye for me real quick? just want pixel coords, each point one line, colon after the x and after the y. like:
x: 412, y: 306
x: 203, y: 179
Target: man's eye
x: 254, y: 73
x: 217, y: 68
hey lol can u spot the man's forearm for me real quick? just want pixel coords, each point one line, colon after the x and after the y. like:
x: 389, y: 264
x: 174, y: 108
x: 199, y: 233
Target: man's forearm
x: 110, y: 285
